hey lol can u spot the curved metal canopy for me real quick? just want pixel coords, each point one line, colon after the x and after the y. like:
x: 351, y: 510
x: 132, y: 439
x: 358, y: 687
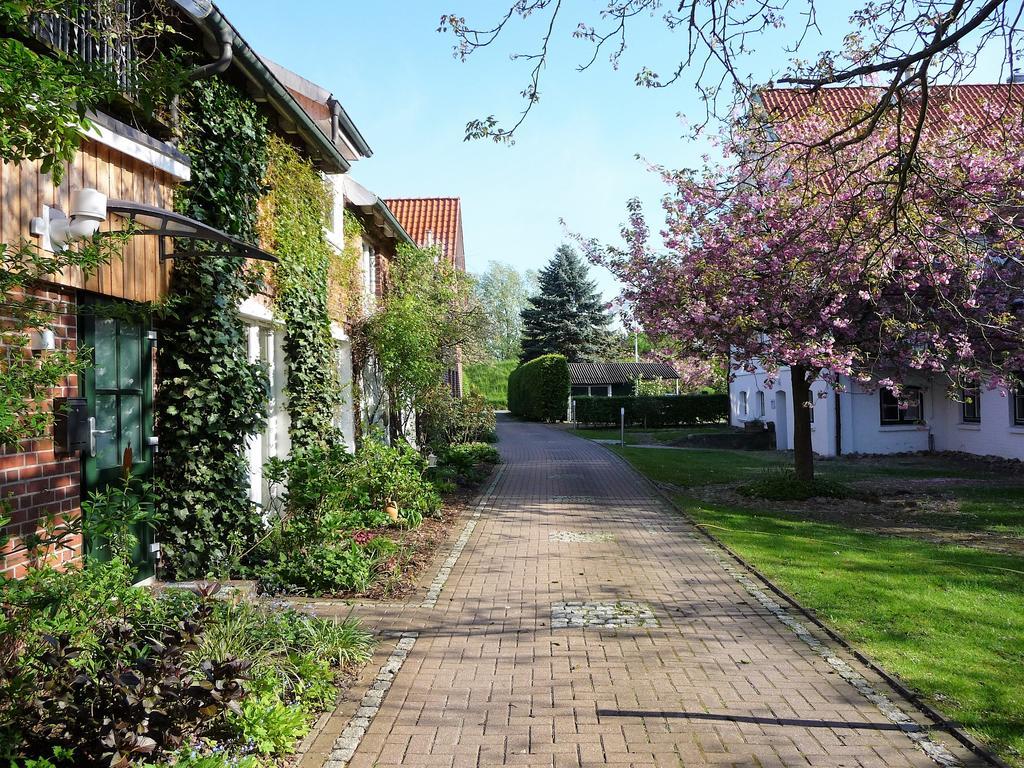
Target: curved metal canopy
x: 159, y: 222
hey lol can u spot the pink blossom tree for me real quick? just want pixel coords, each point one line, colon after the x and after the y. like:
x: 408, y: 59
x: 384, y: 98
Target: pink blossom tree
x: 834, y: 262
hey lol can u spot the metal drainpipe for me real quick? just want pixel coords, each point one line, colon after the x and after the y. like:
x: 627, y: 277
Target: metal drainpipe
x: 335, y: 120
x: 225, y: 37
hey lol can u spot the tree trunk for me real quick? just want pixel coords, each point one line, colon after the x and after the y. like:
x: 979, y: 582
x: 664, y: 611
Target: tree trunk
x: 803, y: 456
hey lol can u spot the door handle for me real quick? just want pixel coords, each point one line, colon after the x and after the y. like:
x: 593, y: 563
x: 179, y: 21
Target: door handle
x: 92, y: 435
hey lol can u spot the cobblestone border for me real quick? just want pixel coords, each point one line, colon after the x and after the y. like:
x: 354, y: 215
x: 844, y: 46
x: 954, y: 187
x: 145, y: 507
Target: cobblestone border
x: 441, y: 578
x: 347, y: 743
x: 889, y: 709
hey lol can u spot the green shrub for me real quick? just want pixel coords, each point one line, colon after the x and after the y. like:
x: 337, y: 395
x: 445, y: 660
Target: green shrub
x: 326, y: 569
x: 268, y: 726
x: 466, y: 465
x: 490, y: 381
x: 448, y: 420
x: 662, y: 411
x: 94, y: 671
x: 190, y: 759
x: 784, y: 485
x: 538, y: 390
x: 380, y: 472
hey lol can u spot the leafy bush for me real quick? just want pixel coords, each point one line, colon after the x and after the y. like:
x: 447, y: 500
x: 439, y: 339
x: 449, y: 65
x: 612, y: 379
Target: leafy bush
x: 329, y: 495
x: 490, y: 381
x: 784, y: 485
x: 467, y: 465
x: 94, y: 672
x: 326, y: 569
x: 538, y: 390
x: 663, y: 411
x: 379, y: 472
x: 448, y: 420
x: 134, y: 696
x: 268, y: 726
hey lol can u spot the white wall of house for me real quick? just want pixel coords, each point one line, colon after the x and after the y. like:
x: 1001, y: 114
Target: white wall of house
x: 265, y: 337
x: 751, y: 399
x: 859, y: 427
x: 994, y: 435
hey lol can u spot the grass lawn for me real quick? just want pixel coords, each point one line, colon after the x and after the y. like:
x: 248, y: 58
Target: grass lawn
x: 946, y: 620
x: 490, y: 380
x: 699, y: 466
x: 641, y: 436
x: 997, y: 510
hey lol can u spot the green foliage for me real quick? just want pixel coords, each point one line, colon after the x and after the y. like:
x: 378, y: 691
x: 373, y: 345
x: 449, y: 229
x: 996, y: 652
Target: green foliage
x: 490, y: 380
x: 380, y: 473
x: 97, y: 668
x: 467, y: 464
x: 325, y: 569
x: 538, y: 390
x: 653, y: 387
x: 44, y: 97
x: 784, y: 485
x: 190, y: 759
x: 268, y: 725
x: 427, y: 317
x: 568, y: 316
x: 111, y: 515
x: 294, y: 212
x: 26, y: 379
x: 503, y: 293
x: 211, y: 398
x: 663, y: 411
x: 448, y: 420
x: 329, y: 495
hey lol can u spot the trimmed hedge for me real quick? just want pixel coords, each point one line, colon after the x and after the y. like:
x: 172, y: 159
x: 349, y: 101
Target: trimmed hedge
x: 538, y: 390
x: 663, y: 411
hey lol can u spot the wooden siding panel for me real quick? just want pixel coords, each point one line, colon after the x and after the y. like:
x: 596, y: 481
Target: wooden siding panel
x: 138, y: 275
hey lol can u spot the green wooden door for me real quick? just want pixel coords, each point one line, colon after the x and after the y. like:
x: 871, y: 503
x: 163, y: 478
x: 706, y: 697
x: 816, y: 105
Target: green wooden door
x: 119, y: 391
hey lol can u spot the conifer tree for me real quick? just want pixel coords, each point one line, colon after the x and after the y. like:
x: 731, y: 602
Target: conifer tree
x: 567, y: 317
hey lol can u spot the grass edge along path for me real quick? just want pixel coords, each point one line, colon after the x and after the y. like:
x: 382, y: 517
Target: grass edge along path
x: 947, y: 621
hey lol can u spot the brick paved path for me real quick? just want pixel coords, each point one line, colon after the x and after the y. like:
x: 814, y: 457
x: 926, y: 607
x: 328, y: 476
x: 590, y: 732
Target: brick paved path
x: 720, y: 681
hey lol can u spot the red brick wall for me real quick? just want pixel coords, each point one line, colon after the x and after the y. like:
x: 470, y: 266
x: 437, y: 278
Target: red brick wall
x: 36, y: 481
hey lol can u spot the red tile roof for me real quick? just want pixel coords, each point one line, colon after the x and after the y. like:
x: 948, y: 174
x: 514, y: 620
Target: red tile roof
x: 976, y: 101
x: 433, y: 221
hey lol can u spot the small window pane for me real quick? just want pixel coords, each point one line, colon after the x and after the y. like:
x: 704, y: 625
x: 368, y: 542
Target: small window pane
x: 131, y: 426
x: 106, y: 353
x: 129, y: 362
x: 971, y: 404
x: 106, y: 432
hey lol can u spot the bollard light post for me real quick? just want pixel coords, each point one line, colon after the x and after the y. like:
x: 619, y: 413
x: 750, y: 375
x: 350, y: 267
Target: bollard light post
x: 622, y: 427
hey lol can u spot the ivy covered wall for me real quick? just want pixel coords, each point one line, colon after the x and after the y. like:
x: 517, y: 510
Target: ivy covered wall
x: 210, y: 398
x: 294, y: 213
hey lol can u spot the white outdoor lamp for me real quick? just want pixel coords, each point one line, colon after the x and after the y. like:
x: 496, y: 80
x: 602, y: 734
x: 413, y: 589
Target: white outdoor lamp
x: 88, y: 211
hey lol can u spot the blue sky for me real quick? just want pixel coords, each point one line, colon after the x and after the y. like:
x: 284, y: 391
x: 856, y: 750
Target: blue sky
x: 575, y: 158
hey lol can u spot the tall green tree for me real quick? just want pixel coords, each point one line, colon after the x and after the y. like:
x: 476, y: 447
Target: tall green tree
x: 504, y: 292
x: 428, y: 314
x: 568, y: 316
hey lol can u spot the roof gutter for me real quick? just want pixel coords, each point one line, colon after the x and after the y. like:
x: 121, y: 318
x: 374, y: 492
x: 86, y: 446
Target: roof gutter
x: 382, y: 208
x: 253, y: 67
x: 340, y: 121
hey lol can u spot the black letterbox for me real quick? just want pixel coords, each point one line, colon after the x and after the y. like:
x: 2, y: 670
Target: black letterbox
x: 71, y: 424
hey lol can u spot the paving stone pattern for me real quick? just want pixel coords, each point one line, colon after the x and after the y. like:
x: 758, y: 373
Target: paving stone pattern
x: 575, y: 537
x: 723, y: 680
x: 624, y: 613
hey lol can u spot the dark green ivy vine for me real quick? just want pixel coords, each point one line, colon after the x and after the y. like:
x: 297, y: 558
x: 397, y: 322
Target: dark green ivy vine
x: 211, y: 398
x: 295, y: 210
